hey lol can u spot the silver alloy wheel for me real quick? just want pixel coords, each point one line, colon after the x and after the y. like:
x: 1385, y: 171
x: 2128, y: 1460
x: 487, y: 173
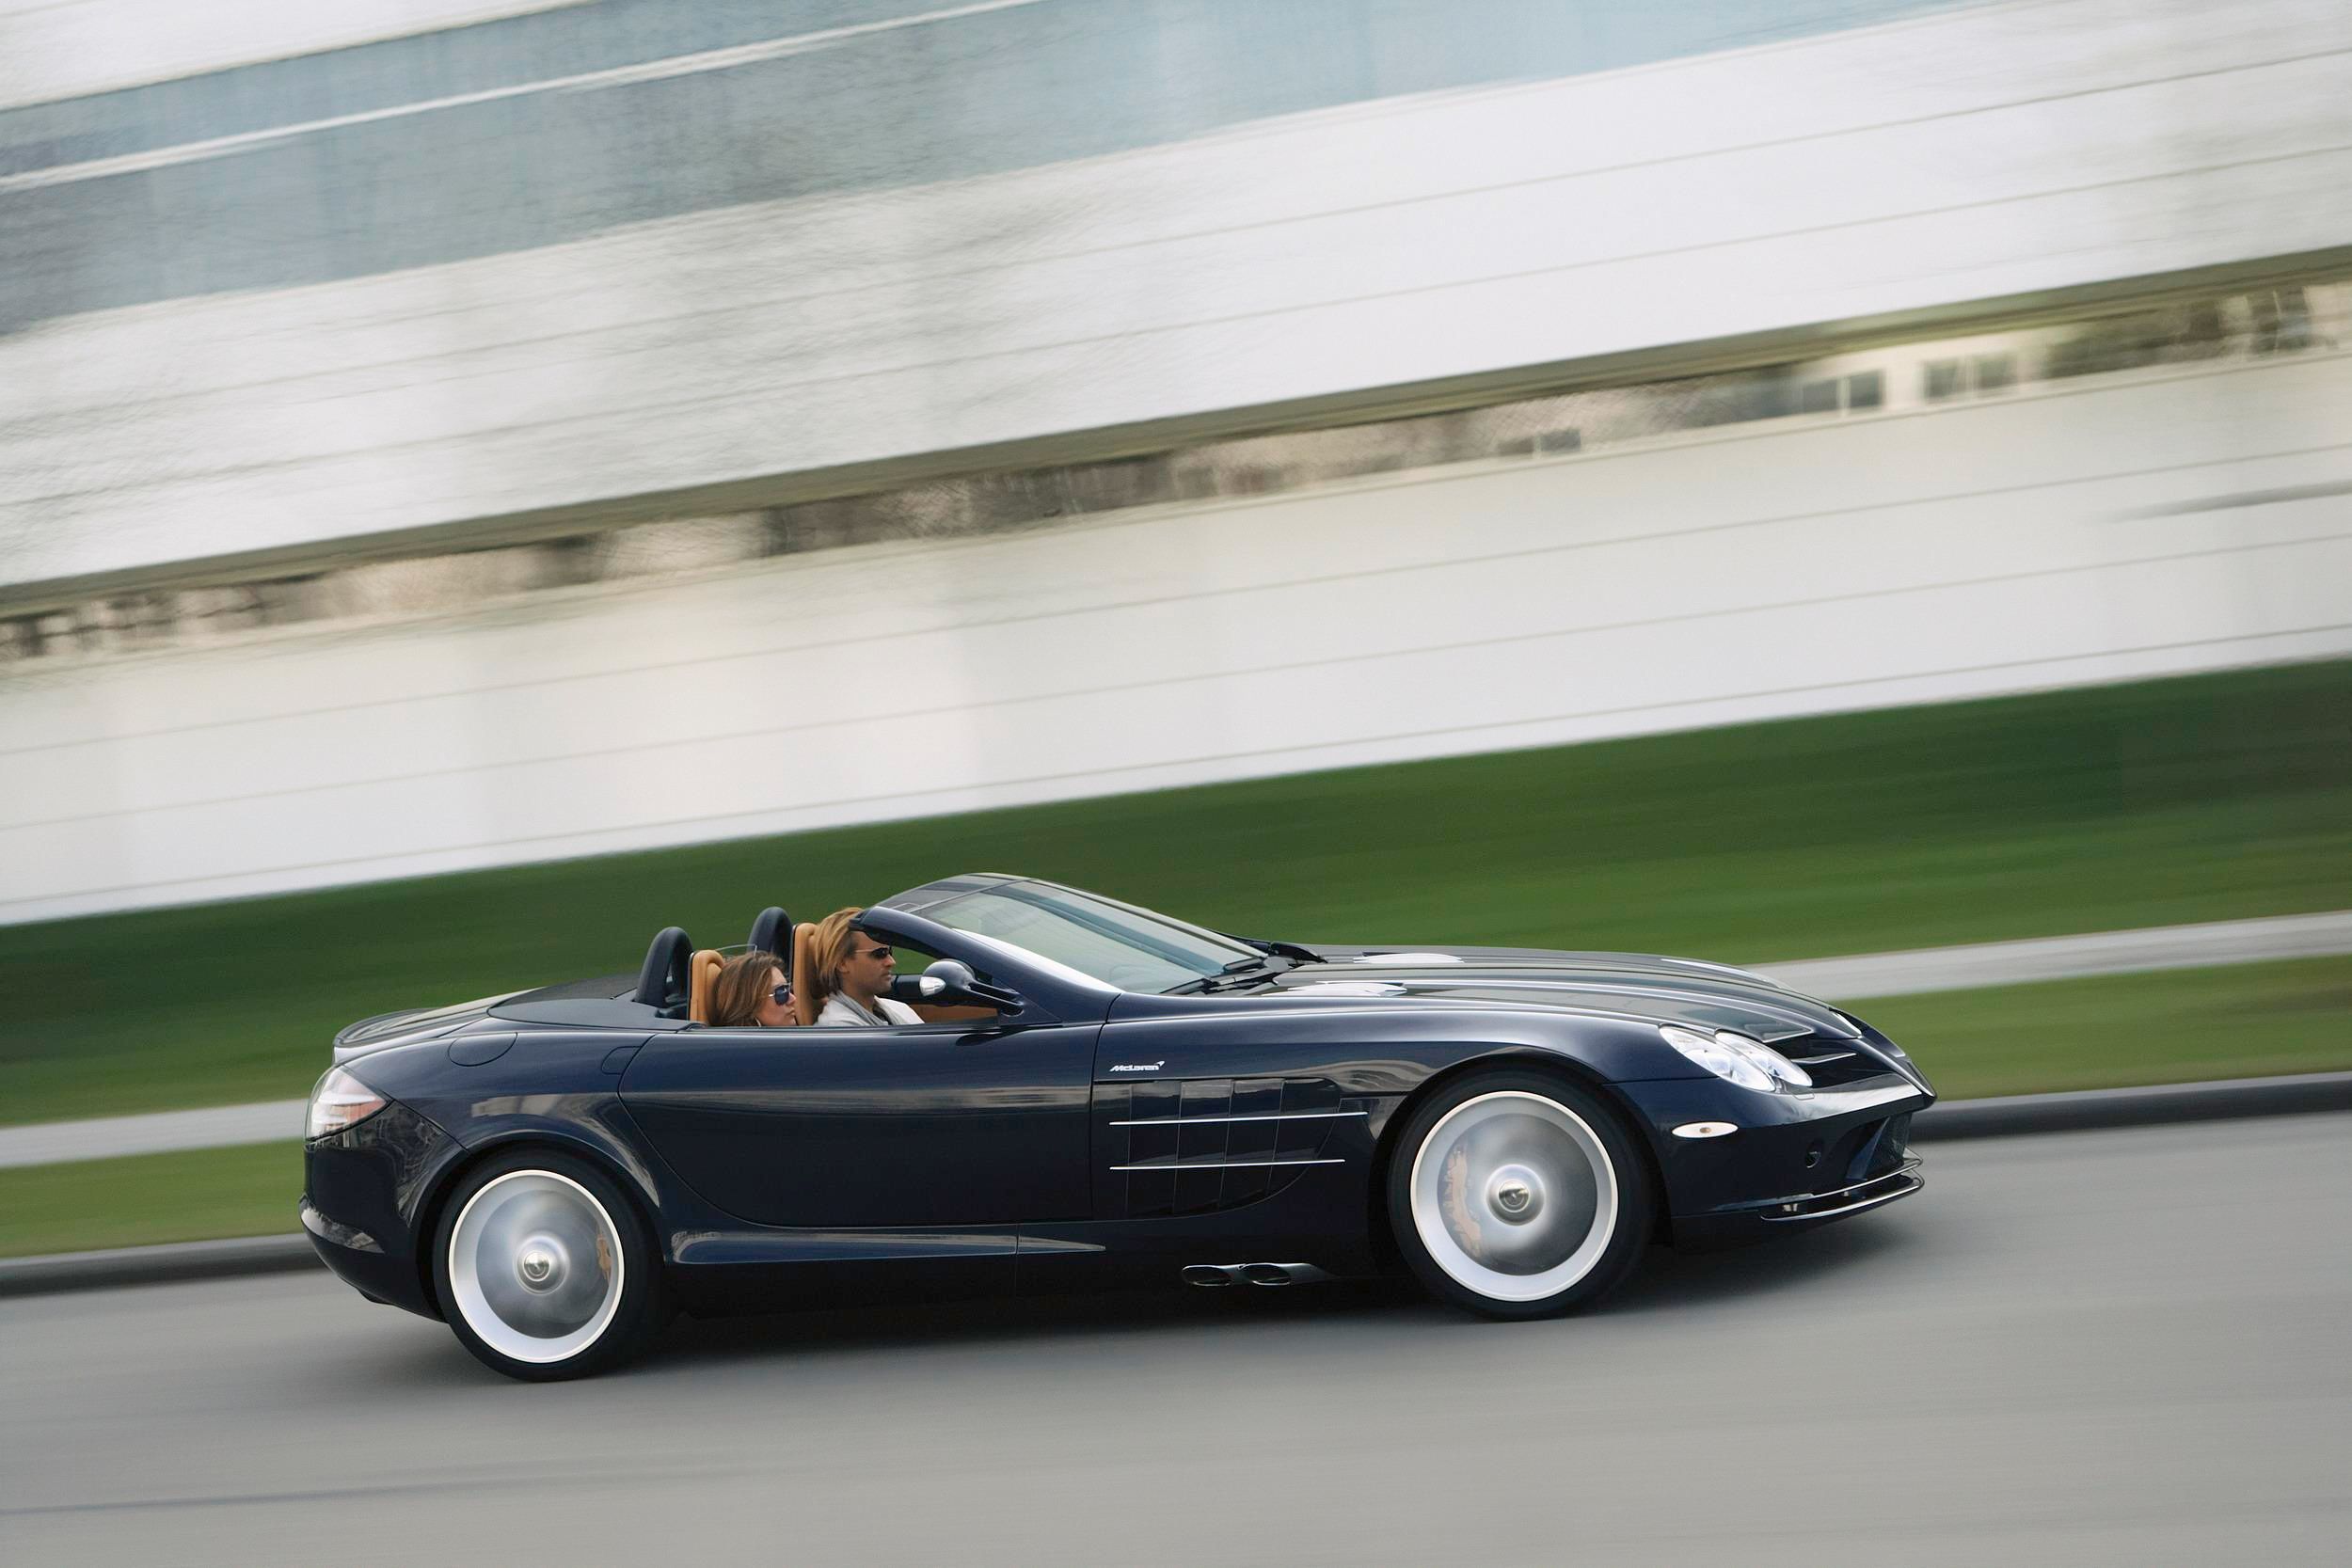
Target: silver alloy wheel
x: 536, y: 1266
x: 1514, y: 1195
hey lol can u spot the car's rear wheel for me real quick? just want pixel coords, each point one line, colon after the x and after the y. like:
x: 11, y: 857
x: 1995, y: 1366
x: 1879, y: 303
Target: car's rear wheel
x: 544, y: 1269
x: 1518, y: 1194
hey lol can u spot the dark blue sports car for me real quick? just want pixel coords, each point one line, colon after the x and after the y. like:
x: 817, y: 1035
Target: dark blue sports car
x: 1094, y: 1092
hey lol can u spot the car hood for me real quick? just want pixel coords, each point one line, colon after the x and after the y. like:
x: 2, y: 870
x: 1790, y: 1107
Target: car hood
x: 1669, y: 990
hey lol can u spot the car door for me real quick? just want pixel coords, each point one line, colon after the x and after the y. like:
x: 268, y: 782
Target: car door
x: 940, y: 1124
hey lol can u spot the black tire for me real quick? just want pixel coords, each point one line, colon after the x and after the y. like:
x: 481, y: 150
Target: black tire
x: 565, y: 1221
x: 1509, y: 1213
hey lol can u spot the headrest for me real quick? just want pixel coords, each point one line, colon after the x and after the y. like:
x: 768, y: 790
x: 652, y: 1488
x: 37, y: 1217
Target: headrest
x: 773, y: 933
x: 703, y: 974
x: 663, y: 974
x: 803, y: 970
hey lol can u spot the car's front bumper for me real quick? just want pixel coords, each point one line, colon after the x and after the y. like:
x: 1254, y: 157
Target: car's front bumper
x: 1796, y: 1160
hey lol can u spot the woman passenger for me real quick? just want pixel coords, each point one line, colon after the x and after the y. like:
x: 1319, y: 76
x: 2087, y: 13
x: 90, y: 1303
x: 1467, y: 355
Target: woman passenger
x: 751, y: 991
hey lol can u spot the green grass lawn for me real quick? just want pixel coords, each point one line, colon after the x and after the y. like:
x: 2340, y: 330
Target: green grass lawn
x: 2241, y: 1022
x: 2169, y: 1026
x: 2203, y: 799
x: 188, y: 1196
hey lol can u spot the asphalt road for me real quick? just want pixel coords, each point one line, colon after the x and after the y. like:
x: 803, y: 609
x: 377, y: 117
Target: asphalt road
x: 2113, y: 1347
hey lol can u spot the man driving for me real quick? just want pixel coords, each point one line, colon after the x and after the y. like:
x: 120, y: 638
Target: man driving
x: 849, y: 972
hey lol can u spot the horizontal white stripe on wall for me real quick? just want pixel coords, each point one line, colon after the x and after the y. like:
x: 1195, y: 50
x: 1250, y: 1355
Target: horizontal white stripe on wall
x: 1966, y: 156
x: 54, y: 49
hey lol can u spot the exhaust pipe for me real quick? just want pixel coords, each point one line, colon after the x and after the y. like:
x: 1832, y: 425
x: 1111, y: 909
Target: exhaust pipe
x: 1209, y: 1276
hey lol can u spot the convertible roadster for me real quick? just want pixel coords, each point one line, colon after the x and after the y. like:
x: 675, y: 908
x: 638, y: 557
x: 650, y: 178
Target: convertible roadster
x: 1096, y: 1092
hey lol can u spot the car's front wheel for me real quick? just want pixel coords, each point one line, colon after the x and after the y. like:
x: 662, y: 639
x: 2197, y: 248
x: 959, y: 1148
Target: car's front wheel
x: 544, y: 1269
x: 1518, y: 1194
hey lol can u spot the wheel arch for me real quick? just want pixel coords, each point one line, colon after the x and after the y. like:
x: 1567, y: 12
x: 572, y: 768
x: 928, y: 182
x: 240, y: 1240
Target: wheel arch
x: 554, y: 1141
x: 1379, y: 1222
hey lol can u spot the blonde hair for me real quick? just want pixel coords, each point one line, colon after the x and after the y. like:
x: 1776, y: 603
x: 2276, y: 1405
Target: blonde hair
x: 742, y: 984
x: 828, y: 949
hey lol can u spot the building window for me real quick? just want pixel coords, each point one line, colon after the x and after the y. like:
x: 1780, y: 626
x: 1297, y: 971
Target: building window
x: 2282, y: 320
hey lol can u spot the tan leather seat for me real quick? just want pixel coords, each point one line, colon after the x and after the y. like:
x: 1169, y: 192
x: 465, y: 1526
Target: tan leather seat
x: 702, y: 974
x: 936, y: 1013
x: 803, y: 970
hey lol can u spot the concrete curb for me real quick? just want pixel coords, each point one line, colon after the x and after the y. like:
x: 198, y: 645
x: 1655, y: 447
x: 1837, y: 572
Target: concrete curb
x: 2213, y: 1100
x: 1957, y: 1118
x: 155, y: 1265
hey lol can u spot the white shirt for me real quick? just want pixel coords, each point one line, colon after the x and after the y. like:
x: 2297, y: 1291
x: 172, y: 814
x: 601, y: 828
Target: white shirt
x: 840, y: 1009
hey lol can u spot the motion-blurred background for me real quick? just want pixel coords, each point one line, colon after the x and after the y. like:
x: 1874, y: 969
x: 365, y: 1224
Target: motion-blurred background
x: 481, y: 481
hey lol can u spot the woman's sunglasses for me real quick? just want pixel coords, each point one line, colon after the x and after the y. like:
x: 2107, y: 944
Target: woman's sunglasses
x: 783, y: 994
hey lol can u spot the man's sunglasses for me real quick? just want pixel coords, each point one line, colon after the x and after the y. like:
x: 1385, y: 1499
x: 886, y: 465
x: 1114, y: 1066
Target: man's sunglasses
x: 869, y: 952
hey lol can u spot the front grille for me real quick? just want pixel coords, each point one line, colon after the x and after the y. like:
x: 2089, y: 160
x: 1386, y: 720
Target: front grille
x: 1833, y: 1063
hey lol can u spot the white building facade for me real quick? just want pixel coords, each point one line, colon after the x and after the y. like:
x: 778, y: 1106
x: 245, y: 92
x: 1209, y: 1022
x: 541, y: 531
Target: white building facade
x: 418, y: 458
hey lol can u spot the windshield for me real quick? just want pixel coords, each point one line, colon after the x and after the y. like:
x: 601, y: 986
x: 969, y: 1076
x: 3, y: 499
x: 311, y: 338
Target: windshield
x: 1117, y: 944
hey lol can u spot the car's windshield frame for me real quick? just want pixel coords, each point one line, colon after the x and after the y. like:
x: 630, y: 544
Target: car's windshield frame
x: 1182, y: 954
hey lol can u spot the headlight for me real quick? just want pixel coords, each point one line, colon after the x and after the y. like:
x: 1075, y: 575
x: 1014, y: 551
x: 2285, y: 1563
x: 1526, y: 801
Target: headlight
x: 1728, y: 1055
x: 340, y: 1101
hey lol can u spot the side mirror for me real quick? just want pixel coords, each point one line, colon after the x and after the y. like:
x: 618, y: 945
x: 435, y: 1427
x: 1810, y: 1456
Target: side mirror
x: 950, y: 983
